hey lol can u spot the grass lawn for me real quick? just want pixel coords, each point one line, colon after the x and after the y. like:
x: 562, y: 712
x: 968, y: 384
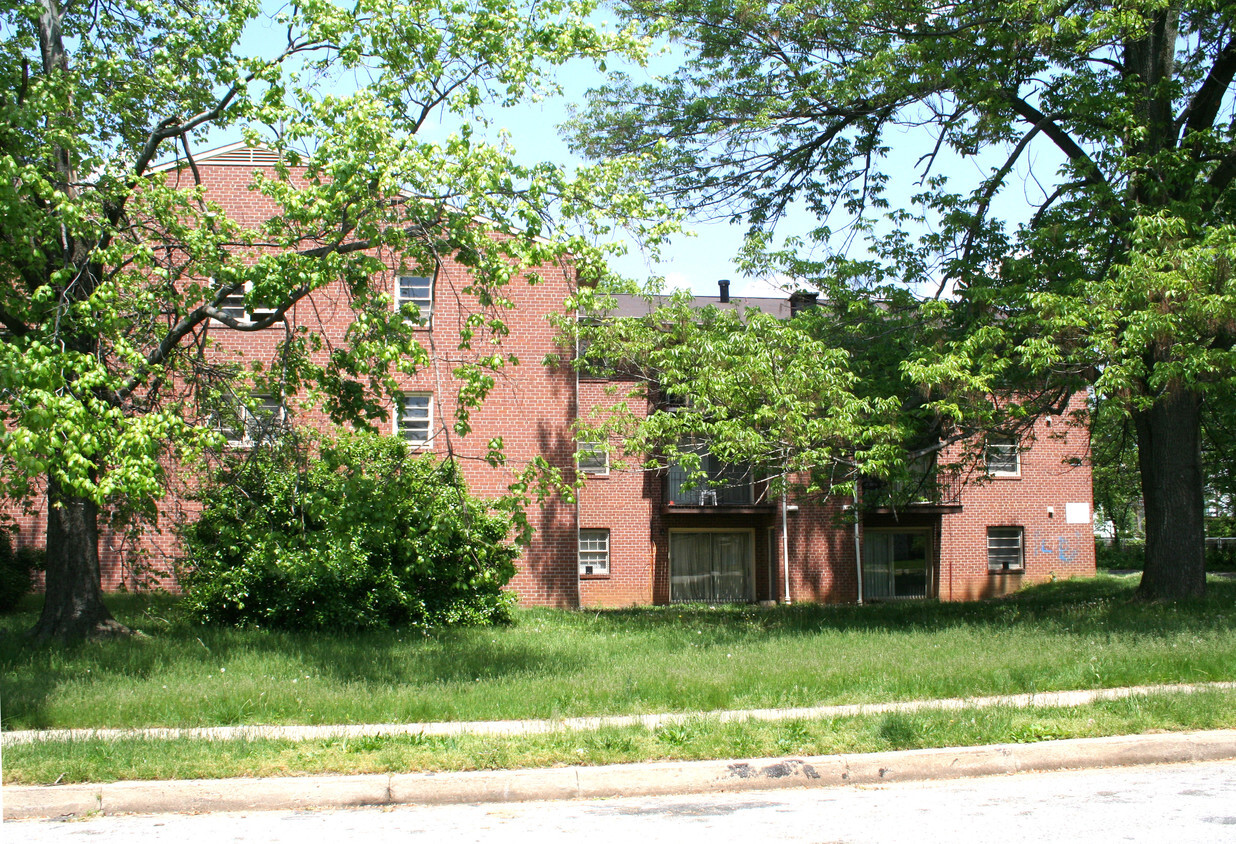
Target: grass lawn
x: 1083, y: 634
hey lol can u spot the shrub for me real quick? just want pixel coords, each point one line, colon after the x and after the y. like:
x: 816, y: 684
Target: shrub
x: 1221, y: 558
x: 1128, y: 555
x: 17, y: 567
x: 363, y: 535
x: 1133, y: 556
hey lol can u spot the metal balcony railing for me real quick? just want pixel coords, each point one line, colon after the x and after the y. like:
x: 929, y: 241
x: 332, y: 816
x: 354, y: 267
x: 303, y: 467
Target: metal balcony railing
x: 940, y: 489
x: 723, y: 486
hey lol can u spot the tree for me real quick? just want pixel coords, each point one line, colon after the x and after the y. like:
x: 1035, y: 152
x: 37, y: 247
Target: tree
x: 1110, y: 266
x: 114, y: 278
x: 817, y: 400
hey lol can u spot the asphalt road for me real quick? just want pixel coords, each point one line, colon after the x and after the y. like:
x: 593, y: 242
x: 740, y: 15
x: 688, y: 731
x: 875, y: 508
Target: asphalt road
x: 1168, y: 803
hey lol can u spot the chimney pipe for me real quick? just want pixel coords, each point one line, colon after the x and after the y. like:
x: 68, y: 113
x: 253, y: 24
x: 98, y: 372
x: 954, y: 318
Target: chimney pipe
x: 724, y: 284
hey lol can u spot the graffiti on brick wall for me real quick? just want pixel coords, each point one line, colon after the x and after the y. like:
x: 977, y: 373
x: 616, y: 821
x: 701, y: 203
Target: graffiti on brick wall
x: 1055, y: 543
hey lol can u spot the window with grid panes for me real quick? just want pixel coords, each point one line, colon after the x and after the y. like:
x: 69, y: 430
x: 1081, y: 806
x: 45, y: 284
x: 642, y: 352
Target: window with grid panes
x: 416, y: 290
x: 593, y: 458
x: 249, y: 427
x: 1005, y: 550
x: 594, y: 551
x: 415, y: 419
x: 234, y: 305
x: 1003, y: 456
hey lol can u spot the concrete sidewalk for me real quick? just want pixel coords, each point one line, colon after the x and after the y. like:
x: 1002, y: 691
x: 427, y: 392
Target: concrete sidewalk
x: 528, y: 727
x: 661, y: 778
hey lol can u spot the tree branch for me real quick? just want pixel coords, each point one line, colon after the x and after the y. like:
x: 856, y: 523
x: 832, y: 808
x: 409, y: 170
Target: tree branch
x: 1201, y: 112
x: 1090, y: 171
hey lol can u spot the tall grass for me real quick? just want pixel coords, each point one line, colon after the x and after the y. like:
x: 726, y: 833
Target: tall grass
x: 1081, y: 634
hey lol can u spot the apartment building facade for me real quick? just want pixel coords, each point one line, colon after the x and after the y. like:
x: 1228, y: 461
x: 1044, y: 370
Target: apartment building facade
x: 637, y: 536
x: 1009, y: 513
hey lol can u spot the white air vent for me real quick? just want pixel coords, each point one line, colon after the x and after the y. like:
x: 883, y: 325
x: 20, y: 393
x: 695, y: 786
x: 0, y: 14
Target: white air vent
x: 243, y: 157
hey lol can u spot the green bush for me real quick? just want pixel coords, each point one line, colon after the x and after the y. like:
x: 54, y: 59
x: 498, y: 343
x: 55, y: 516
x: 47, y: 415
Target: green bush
x: 17, y: 569
x: 363, y: 535
x: 1133, y: 556
x: 1221, y: 558
x: 1128, y: 555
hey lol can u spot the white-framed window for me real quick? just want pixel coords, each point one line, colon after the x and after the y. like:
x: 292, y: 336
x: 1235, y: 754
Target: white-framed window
x: 594, y: 551
x: 1003, y: 457
x: 414, y: 419
x: 1005, y: 550
x: 415, y: 290
x: 262, y: 421
x: 234, y: 306
x: 593, y: 458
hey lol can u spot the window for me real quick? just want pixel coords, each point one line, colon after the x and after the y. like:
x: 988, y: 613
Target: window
x: 234, y: 305
x: 1004, y: 550
x: 414, y: 421
x: 1003, y: 457
x: 593, y: 458
x: 674, y: 403
x: 261, y: 422
x: 594, y: 551
x: 415, y: 290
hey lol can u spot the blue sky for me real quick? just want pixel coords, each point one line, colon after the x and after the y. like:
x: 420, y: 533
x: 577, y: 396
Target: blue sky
x: 692, y: 262
x: 696, y: 261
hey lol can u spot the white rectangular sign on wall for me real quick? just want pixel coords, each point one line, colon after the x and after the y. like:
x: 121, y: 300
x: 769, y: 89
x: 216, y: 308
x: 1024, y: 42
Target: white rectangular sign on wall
x: 1077, y: 513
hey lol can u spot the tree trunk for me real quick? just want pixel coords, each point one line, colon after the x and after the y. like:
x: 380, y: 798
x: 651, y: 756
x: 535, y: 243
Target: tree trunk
x: 73, y: 604
x: 1169, y: 454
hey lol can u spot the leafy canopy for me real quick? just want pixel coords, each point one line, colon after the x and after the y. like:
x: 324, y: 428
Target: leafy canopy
x: 1062, y: 171
x: 1055, y: 177
x: 117, y: 277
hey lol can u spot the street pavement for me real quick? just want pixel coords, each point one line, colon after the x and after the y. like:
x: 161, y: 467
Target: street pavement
x: 1181, y: 804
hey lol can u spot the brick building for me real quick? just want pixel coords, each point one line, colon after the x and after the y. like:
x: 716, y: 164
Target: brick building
x: 1018, y: 513
x: 640, y: 537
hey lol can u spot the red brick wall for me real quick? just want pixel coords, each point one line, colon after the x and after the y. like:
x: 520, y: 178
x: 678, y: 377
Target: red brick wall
x: 1055, y: 471
x: 530, y: 408
x: 626, y: 501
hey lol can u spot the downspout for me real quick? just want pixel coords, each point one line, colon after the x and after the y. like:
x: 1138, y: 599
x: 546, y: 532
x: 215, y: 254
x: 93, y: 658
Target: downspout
x: 858, y: 542
x: 785, y: 541
x: 579, y: 588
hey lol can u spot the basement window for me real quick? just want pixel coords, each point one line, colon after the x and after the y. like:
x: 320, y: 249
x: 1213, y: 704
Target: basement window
x: 594, y: 551
x: 1005, y: 551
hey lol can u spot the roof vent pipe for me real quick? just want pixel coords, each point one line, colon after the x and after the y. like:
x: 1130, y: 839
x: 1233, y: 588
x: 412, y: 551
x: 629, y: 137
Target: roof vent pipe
x: 724, y: 284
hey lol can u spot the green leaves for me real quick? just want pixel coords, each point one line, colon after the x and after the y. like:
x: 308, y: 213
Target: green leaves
x: 818, y: 398
x: 359, y: 533
x: 125, y: 288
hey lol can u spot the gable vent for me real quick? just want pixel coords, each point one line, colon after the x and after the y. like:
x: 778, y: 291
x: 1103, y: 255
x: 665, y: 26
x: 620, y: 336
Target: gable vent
x: 245, y: 156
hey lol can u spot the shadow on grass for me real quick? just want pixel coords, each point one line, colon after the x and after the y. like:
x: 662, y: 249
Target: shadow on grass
x: 30, y: 674
x: 1103, y: 604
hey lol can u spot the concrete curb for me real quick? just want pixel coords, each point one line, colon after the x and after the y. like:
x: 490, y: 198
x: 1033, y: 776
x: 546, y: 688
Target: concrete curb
x: 528, y: 727
x: 658, y: 778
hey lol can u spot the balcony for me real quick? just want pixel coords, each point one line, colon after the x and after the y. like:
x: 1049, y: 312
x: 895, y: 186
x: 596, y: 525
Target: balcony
x: 931, y: 491
x: 724, y: 488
